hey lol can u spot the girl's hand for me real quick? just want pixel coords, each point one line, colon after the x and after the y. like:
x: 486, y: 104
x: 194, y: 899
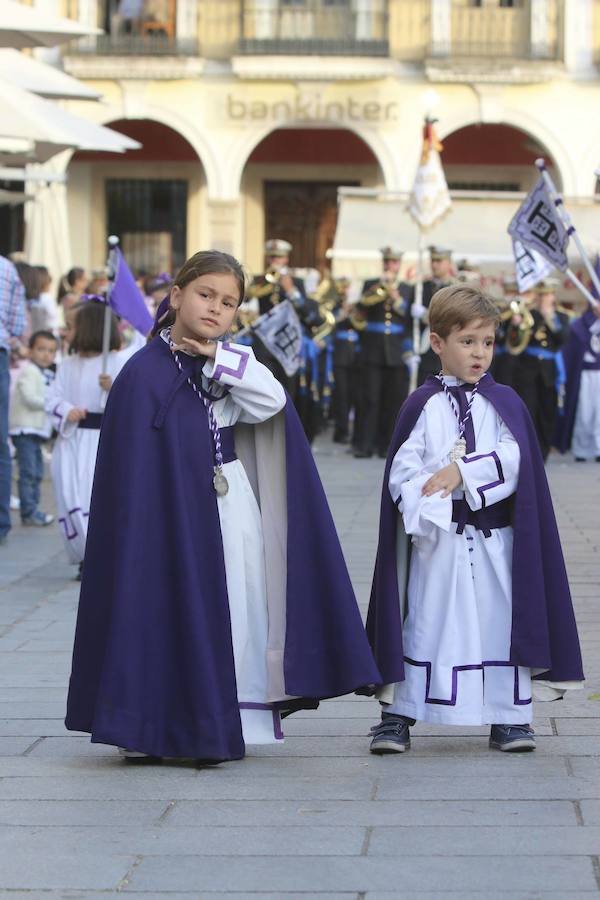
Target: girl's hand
x: 105, y: 382
x: 200, y: 347
x: 446, y: 480
x: 76, y: 414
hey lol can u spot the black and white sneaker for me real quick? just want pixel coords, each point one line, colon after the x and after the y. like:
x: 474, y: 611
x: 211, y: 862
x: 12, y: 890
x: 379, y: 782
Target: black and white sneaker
x: 391, y: 735
x: 512, y: 738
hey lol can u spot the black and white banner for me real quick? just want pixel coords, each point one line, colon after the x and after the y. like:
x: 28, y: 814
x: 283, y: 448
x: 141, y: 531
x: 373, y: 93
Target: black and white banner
x: 281, y: 333
x: 538, y: 226
x: 530, y: 266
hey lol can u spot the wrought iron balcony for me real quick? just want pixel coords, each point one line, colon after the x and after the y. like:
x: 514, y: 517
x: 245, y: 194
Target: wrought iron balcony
x: 314, y: 27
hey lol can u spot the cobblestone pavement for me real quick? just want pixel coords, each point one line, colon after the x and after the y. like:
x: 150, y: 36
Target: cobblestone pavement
x: 318, y: 816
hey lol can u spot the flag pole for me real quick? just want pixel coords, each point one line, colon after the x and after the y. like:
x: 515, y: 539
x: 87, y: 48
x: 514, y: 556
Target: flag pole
x: 571, y: 231
x: 111, y: 265
x: 580, y: 286
x: 417, y: 302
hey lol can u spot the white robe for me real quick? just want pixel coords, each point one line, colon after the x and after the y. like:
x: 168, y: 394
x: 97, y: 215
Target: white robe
x: 586, y: 428
x: 74, y: 455
x: 457, y: 629
x: 254, y: 396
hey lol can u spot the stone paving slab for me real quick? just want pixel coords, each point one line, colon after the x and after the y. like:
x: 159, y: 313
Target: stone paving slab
x: 317, y: 817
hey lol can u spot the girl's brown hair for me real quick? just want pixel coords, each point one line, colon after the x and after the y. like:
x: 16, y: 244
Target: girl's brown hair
x: 205, y: 262
x: 89, y: 328
x: 457, y: 305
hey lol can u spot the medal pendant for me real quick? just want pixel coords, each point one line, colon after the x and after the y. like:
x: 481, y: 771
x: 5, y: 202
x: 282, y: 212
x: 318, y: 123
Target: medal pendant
x: 459, y: 450
x: 220, y: 483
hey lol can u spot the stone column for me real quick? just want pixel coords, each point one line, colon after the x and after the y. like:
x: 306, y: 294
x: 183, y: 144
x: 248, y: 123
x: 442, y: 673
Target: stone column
x: 441, y: 27
x: 224, y: 226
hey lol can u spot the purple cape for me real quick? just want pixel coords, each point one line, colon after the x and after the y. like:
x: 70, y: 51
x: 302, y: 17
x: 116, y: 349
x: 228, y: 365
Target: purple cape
x: 573, y: 352
x: 544, y: 634
x: 153, y: 666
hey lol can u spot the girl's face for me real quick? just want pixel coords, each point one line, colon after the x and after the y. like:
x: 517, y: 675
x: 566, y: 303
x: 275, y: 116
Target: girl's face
x: 68, y: 332
x: 206, y: 307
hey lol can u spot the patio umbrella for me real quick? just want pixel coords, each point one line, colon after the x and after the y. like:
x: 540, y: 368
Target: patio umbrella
x: 25, y: 26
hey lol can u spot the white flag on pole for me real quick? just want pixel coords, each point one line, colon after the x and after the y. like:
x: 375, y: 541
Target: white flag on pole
x: 429, y: 199
x: 538, y: 226
x: 530, y: 266
x: 281, y: 333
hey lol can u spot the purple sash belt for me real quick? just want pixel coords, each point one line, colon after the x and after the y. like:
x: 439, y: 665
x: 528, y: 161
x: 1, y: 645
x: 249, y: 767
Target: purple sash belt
x: 496, y: 516
x: 92, y: 420
x: 228, y: 443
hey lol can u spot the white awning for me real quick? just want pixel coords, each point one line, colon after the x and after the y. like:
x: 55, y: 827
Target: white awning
x: 47, y: 128
x: 29, y: 74
x: 25, y: 26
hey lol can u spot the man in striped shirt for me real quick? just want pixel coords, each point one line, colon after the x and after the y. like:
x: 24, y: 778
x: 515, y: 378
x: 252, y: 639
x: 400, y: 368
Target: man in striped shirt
x: 12, y: 326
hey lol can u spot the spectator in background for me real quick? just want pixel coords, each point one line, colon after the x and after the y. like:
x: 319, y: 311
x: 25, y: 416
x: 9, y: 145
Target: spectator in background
x: 30, y: 426
x: 12, y: 326
x: 44, y: 315
x: 74, y: 282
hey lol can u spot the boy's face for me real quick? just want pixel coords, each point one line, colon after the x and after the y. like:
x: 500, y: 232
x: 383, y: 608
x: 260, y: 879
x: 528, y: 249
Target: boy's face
x: 43, y: 352
x: 467, y: 352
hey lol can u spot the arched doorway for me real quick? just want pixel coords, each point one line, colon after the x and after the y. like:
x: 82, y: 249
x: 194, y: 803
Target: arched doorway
x: 290, y: 185
x: 149, y: 197
x: 493, y: 157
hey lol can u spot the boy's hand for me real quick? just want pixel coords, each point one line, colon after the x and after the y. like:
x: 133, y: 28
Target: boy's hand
x: 446, y: 480
x: 105, y: 382
x: 76, y: 414
x: 201, y: 347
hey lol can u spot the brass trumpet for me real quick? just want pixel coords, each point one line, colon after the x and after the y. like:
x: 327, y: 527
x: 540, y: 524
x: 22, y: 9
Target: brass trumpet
x: 518, y: 336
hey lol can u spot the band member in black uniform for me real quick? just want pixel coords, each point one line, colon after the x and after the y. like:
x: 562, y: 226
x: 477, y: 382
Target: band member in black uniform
x: 345, y: 343
x: 383, y: 318
x: 538, y: 369
x: 514, y: 331
x: 441, y: 276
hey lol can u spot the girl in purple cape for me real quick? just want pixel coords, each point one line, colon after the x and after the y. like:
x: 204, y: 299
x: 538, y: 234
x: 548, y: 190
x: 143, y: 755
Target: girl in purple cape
x: 470, y: 614
x: 215, y: 598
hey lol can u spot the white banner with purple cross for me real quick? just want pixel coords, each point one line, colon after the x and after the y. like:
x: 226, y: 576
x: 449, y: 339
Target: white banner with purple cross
x: 281, y: 333
x: 538, y: 226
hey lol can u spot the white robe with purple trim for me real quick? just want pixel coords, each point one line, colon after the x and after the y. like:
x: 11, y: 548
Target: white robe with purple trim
x: 254, y: 396
x: 457, y: 626
x: 74, y: 455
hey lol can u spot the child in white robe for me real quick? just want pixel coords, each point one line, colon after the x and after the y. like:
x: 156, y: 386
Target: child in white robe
x: 75, y: 403
x: 456, y: 632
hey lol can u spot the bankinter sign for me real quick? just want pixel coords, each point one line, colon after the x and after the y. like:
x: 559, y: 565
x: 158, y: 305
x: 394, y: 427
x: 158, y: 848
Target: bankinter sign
x: 311, y: 109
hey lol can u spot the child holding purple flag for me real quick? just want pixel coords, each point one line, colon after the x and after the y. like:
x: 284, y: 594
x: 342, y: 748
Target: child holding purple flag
x: 215, y: 598
x: 470, y: 613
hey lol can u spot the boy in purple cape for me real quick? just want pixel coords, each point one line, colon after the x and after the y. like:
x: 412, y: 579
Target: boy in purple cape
x: 470, y: 613
x: 215, y: 597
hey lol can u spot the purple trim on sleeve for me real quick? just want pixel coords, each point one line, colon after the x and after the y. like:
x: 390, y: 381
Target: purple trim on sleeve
x: 226, y: 370
x: 470, y: 668
x: 56, y: 413
x: 492, y: 484
x: 69, y: 527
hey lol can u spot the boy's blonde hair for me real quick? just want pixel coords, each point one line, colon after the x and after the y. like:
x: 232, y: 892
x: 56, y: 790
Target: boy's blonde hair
x: 457, y: 305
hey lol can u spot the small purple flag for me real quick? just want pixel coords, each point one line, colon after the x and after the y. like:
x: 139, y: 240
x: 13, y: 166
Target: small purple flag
x: 126, y: 298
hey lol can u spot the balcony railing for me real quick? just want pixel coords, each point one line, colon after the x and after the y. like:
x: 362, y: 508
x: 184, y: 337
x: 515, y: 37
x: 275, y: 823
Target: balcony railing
x: 503, y: 32
x: 314, y: 27
x: 140, y: 28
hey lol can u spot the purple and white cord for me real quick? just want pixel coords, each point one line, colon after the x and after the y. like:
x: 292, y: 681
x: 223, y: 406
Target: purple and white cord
x: 462, y: 423
x: 212, y: 421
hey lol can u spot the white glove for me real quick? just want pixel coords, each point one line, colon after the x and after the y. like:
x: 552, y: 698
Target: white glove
x: 417, y: 310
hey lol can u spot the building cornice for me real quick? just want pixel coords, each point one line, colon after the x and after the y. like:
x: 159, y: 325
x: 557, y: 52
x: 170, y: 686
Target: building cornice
x: 314, y: 68
x: 146, y: 68
x: 493, y: 72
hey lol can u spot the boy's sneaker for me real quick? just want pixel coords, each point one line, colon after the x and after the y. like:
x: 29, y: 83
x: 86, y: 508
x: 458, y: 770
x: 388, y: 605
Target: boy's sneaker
x: 512, y: 738
x: 391, y: 735
x: 38, y: 518
x: 134, y: 756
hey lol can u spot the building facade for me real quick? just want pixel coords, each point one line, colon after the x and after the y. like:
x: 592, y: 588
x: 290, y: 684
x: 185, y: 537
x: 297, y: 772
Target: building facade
x: 252, y: 113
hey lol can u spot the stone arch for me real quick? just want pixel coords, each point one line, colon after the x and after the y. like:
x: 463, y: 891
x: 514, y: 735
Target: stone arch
x: 250, y: 140
x: 551, y: 146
